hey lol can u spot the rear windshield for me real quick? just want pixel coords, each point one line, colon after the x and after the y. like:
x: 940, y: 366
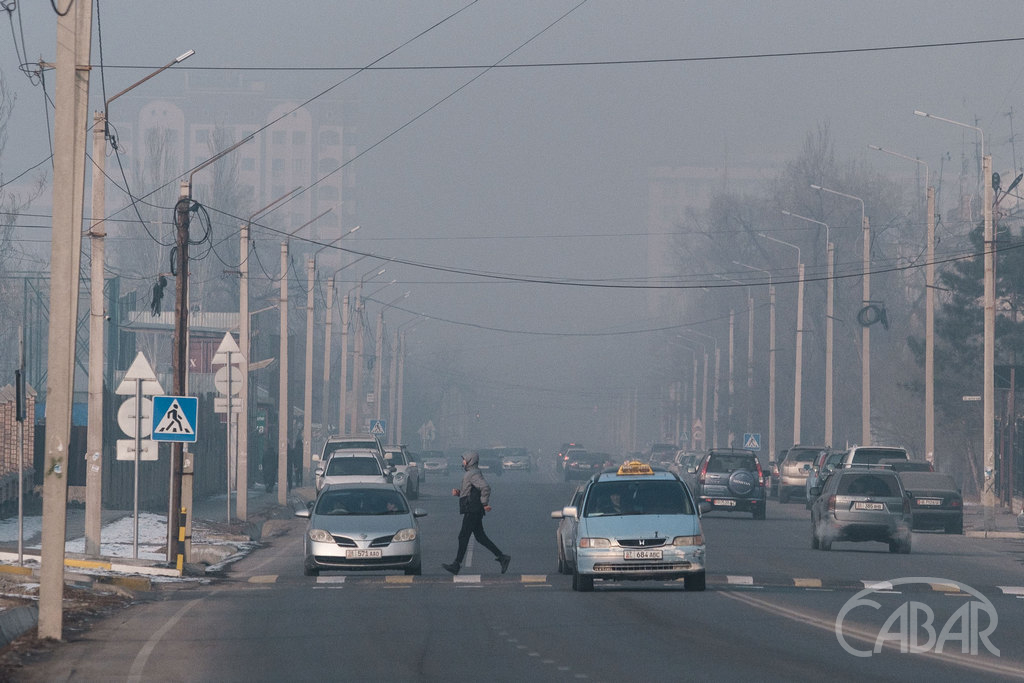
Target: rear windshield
x: 928, y: 480
x: 868, y: 485
x: 802, y: 455
x: 395, y: 457
x: 348, y: 501
x: 661, y: 497
x: 730, y: 462
x: 352, y: 466
x: 872, y: 456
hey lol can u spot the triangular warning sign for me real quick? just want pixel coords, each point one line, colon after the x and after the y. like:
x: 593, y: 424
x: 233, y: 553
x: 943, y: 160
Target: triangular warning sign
x: 174, y: 421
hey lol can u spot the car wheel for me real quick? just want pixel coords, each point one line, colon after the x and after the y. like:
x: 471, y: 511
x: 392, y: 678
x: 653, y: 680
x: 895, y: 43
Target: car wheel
x: 759, y: 511
x: 582, y: 582
x: 783, y: 496
x: 310, y: 571
x: 694, y: 582
x: 814, y: 540
x: 904, y: 546
x: 825, y: 543
x: 955, y: 527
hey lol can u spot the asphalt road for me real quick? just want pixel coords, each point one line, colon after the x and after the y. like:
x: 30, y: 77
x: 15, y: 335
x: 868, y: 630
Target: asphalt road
x: 769, y: 613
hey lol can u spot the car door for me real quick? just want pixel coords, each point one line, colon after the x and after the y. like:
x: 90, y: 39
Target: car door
x: 570, y: 530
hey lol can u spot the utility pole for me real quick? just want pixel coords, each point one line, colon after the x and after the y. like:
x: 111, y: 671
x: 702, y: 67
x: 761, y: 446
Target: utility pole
x: 325, y: 403
x: 179, y: 357
x: 379, y: 362
x: 74, y: 42
x: 283, y: 418
x: 242, y: 481
x: 97, y: 322
x: 307, y: 417
x: 343, y: 398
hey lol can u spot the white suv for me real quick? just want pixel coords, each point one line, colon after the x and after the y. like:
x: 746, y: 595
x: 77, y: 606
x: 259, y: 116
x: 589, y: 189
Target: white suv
x: 872, y: 455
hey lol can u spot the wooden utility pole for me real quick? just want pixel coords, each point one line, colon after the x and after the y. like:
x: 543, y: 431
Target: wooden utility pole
x: 74, y: 40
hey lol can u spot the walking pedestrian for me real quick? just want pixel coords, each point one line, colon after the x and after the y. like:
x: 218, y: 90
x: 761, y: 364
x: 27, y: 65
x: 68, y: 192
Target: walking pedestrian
x: 474, y: 503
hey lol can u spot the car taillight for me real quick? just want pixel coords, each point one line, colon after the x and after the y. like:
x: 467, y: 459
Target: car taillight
x: 956, y: 502
x: 906, y: 505
x: 760, y: 474
x: 832, y: 503
x: 703, y: 471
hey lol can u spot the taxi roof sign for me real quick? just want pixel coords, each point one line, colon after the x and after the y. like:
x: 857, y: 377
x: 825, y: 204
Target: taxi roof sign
x: 635, y: 467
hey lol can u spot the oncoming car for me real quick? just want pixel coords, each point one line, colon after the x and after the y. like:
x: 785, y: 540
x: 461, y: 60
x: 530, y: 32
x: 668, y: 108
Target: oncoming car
x: 360, y: 527
x: 635, y: 523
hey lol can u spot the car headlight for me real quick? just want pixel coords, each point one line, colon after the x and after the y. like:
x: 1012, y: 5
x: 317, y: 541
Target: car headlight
x: 399, y: 477
x: 595, y: 543
x: 688, y: 540
x: 320, y: 536
x: 405, y: 535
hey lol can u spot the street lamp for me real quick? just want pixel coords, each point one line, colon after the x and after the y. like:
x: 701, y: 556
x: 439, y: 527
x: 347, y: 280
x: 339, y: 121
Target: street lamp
x: 771, y: 358
x: 799, y: 361
x: 988, y: 493
x: 97, y: 319
x: 829, y: 312
x: 929, y: 310
x: 865, y: 330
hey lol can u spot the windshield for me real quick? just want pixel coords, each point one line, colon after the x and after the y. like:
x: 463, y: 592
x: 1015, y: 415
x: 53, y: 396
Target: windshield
x: 872, y: 456
x: 352, y: 466
x: 660, y: 497
x: 361, y: 502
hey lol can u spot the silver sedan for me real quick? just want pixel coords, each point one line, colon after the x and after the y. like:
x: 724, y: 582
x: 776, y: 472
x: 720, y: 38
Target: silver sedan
x: 361, y: 527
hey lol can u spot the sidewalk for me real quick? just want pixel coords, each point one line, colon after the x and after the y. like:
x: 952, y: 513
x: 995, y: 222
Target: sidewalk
x: 1003, y: 523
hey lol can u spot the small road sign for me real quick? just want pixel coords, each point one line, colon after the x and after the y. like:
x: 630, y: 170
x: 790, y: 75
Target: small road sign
x: 378, y: 427
x: 752, y: 442
x: 126, y: 449
x: 126, y: 417
x: 174, y: 418
x: 223, y: 375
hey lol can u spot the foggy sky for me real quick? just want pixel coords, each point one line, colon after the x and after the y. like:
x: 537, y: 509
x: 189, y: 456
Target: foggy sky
x: 542, y: 171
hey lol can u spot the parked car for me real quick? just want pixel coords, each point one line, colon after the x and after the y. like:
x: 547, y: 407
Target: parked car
x: 361, y: 527
x: 824, y: 465
x: 348, y: 466
x: 635, y: 523
x: 935, y: 501
x: 731, y: 479
x: 862, y: 503
x: 407, y: 471
x: 350, y: 442
x: 793, y: 470
x: 583, y: 464
x: 565, y: 535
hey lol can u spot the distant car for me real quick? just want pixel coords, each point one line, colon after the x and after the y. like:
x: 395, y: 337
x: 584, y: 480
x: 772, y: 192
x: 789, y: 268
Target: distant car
x: 407, y: 471
x: 635, y: 523
x: 516, y: 459
x: 361, y: 527
x: 685, y: 467
x: 862, y: 503
x: 352, y: 466
x: 662, y: 454
x: 583, y: 464
x: 935, y: 500
x: 793, y: 470
x: 824, y: 465
x: 569, y: 453
x: 731, y: 479
x: 435, y: 461
x: 490, y: 460
x: 775, y: 474
x: 565, y: 535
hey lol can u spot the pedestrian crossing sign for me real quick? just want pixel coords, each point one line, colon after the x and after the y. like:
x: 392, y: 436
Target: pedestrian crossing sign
x: 378, y: 427
x: 752, y: 442
x: 174, y: 418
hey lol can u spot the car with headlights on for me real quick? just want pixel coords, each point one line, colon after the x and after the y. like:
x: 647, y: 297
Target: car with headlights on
x: 359, y: 527
x: 935, y: 501
x: 635, y: 523
x: 583, y: 464
x: 435, y: 461
x: 862, y: 503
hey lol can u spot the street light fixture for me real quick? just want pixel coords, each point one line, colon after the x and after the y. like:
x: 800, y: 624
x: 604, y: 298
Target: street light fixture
x: 771, y: 358
x: 929, y: 309
x: 799, y: 359
x: 865, y: 330
x: 97, y: 319
x: 988, y: 493
x: 829, y: 314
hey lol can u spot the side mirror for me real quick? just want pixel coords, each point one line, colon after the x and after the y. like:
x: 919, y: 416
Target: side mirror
x: 556, y: 514
x: 315, y: 457
x: 806, y: 468
x: 419, y: 512
x: 691, y: 470
x: 908, y: 494
x: 815, y: 491
x: 319, y: 471
x: 305, y: 513
x: 570, y: 511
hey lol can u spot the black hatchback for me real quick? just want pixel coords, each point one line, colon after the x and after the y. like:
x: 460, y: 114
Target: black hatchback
x: 731, y: 479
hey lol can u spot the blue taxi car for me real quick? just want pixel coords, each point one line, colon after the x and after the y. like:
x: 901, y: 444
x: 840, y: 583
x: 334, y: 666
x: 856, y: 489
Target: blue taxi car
x: 636, y: 523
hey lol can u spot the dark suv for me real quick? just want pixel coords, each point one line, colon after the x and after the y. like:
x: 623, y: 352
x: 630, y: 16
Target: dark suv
x: 861, y: 503
x: 731, y: 479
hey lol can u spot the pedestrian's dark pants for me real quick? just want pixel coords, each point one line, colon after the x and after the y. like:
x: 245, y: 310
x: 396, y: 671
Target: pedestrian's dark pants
x: 473, y: 525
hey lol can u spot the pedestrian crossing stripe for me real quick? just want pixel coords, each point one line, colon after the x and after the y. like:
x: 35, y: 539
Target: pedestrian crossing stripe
x: 174, y: 418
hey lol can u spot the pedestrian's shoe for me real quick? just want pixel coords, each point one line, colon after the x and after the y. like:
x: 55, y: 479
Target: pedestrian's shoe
x: 453, y: 567
x: 503, y: 560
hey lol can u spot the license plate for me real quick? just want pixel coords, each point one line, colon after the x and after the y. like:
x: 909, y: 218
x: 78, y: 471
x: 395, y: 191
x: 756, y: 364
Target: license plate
x: 362, y: 553
x: 929, y: 501
x: 869, y: 506
x: 641, y: 554
x: 725, y: 503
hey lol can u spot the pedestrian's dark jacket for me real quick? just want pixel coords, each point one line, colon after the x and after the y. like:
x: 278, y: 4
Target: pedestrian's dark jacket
x: 473, y: 478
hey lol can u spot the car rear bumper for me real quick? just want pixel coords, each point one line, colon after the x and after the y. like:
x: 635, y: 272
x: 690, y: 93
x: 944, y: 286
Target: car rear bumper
x: 937, y: 519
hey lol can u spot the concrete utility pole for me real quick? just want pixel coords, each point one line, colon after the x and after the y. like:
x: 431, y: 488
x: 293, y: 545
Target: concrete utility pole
x: 799, y: 360
x: 343, y: 399
x: 865, y: 330
x: 283, y: 419
x: 771, y: 358
x: 74, y: 34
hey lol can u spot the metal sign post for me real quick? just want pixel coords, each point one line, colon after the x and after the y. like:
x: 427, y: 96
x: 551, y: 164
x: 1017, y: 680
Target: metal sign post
x: 228, y: 381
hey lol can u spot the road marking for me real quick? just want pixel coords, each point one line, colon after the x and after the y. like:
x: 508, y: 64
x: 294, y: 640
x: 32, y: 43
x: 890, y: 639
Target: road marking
x: 466, y: 578
x: 330, y: 579
x: 944, y: 588
x: 740, y: 580
x: 807, y: 583
x: 1012, y: 590
x: 264, y: 578
x: 398, y: 579
x: 534, y: 578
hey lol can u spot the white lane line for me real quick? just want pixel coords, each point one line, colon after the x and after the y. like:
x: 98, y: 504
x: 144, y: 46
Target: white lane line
x: 740, y: 580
